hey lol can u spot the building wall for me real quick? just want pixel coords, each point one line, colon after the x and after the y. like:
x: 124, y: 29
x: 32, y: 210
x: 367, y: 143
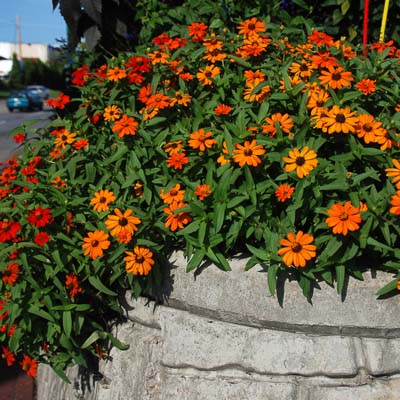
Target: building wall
x: 28, y: 50
x: 222, y: 336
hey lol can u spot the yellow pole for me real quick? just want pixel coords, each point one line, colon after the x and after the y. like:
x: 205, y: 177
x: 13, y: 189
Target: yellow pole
x: 384, y: 19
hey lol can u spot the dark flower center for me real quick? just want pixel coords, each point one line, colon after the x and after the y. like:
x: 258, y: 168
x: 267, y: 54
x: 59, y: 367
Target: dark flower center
x: 123, y: 222
x: 251, y: 27
x: 336, y: 76
x: 139, y: 259
x: 320, y: 103
x: 340, y: 118
x: 367, y: 127
x: 296, y: 247
x: 303, y: 67
x: 103, y: 200
x: 300, y: 161
x: 248, y: 152
x: 343, y: 216
x: 173, y: 192
x: 95, y: 243
x: 64, y: 138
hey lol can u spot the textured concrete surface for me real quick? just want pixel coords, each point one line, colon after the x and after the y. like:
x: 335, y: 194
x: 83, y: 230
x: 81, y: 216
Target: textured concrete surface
x: 220, y: 336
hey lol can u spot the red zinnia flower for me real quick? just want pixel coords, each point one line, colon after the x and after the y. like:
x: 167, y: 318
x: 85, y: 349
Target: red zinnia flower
x: 222, y: 109
x: 177, y: 160
x: 19, y: 137
x: 29, y: 365
x: 72, y: 284
x: 8, y: 356
x: 39, y: 217
x: 10, y: 274
x: 9, y: 230
x: 41, y: 238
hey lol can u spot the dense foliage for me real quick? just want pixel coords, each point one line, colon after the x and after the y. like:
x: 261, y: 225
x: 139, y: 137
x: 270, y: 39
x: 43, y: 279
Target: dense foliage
x: 276, y: 143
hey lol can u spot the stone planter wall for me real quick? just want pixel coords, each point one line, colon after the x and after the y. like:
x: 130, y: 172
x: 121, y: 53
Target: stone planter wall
x: 222, y: 336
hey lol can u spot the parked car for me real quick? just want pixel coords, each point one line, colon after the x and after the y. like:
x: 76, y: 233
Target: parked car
x: 24, y: 100
x: 41, y: 90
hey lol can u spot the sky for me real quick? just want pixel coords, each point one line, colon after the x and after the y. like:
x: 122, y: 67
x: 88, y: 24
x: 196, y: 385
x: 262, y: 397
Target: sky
x: 39, y: 23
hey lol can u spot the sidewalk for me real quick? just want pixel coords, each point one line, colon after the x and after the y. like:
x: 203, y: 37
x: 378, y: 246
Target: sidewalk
x: 3, y: 105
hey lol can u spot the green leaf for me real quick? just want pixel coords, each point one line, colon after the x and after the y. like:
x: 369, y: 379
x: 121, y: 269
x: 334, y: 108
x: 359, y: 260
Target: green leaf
x: 67, y: 323
x: 261, y: 254
x: 271, y: 278
x: 195, y: 260
x: 96, y: 283
x: 96, y: 335
x: 391, y: 286
x: 340, y: 277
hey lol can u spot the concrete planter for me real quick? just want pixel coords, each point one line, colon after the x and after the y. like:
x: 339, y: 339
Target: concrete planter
x: 222, y: 336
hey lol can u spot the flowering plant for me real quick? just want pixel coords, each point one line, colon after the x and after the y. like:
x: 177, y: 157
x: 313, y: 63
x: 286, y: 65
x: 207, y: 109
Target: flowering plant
x: 213, y: 142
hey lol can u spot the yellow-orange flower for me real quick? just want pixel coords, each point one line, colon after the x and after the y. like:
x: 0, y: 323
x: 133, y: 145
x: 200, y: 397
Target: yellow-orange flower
x: 183, y: 99
x: 159, y: 57
x: 122, y: 221
x: 284, y: 121
x: 95, y: 243
x: 395, y: 202
x: 344, y: 218
x: 302, y: 161
x: 368, y: 128
x: 111, y: 113
x: 201, y: 140
x: 297, y: 249
x: 102, y: 199
x: 173, y: 147
x: 251, y: 27
x: 394, y: 173
x: 206, y: 75
x: 64, y: 137
x: 248, y: 153
x: 139, y: 261
x: 339, y: 120
x: 336, y: 78
x: 115, y: 74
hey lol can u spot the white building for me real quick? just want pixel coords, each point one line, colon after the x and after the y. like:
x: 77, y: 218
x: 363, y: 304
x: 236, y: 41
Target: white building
x: 37, y: 51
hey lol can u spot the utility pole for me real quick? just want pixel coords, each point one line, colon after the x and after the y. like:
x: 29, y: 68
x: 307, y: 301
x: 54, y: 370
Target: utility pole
x: 18, y: 27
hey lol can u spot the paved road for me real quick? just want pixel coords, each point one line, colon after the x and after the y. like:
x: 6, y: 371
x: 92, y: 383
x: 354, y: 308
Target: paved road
x: 9, y: 121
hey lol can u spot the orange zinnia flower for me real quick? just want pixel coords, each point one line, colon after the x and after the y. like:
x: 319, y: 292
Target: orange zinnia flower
x: 214, y: 55
x: 394, y: 173
x: 122, y: 222
x: 344, y: 218
x: 125, y: 126
x: 395, y: 202
x: 284, y: 121
x: 303, y: 162
x: 258, y: 95
x: 177, y: 160
x: 254, y: 77
x: 159, y: 57
x: 102, y: 199
x: 175, y: 194
x: 222, y: 109
x: 95, y: 243
x: 251, y: 26
x: 202, y: 191
x: 201, y: 140
x: 158, y: 101
x: 176, y: 220
x: 303, y: 70
x: 339, y: 120
x: 316, y: 101
x: 248, y: 153
x: 140, y: 261
x: 29, y: 365
x: 336, y: 78
x: 366, y: 86
x: 197, y: 31
x: 297, y: 249
x: 206, y: 75
x: 115, y: 74
x: 284, y: 192
x: 111, y: 113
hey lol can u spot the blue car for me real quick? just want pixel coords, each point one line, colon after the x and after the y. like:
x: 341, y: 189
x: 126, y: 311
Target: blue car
x: 24, y: 100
